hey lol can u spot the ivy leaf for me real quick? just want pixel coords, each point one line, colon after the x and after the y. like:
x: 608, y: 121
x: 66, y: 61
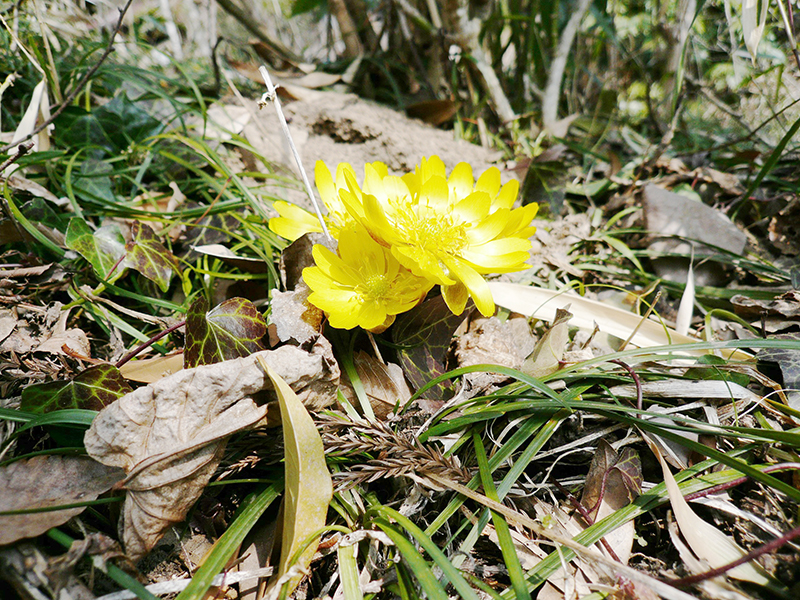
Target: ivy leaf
x: 91, y: 389
x: 230, y: 330
x: 424, y: 335
x: 102, y: 248
x: 149, y: 256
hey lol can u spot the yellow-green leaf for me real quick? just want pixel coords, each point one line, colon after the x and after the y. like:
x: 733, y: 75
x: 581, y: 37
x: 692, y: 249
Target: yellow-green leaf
x: 308, y: 483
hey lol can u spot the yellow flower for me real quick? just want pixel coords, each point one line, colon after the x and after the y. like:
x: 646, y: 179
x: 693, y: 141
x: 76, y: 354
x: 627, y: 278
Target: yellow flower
x: 447, y: 230
x: 364, y: 286
x: 294, y: 221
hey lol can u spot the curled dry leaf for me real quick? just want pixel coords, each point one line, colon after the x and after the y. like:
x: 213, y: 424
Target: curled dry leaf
x: 170, y: 435
x: 47, y: 481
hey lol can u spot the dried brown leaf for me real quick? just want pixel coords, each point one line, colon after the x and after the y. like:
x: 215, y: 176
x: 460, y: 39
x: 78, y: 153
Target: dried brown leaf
x: 47, y: 481
x: 170, y: 435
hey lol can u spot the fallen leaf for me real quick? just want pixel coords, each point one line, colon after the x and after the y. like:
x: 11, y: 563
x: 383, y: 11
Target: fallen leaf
x: 423, y: 335
x: 169, y: 436
x: 148, y: 370
x: 384, y: 384
x: 433, y: 112
x: 102, y: 248
x: 543, y: 303
x: 707, y: 542
x: 549, y: 350
x: 148, y: 256
x: 74, y: 339
x: 789, y: 362
x: 612, y: 482
x: 492, y: 341
x: 8, y: 321
x: 248, y: 264
x: 38, y: 111
x: 309, y: 488
x: 46, y: 481
x: 230, y: 330
x: 92, y: 389
x: 293, y: 319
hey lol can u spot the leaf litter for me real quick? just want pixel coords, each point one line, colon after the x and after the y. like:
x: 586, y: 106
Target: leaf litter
x: 160, y: 457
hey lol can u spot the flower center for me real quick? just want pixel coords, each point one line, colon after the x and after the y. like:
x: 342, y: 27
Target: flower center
x: 431, y: 231
x: 377, y: 286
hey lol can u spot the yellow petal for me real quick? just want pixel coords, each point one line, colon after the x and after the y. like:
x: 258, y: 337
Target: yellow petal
x: 507, y: 196
x: 489, y: 182
x: 455, y: 296
x: 429, y: 167
x: 293, y: 221
x: 489, y: 228
x: 334, y: 267
x: 373, y: 182
x: 421, y: 263
x: 396, y: 188
x: 324, y: 182
x: 474, y: 207
x: 475, y: 284
x: 461, y: 181
x: 371, y: 315
x: 435, y: 193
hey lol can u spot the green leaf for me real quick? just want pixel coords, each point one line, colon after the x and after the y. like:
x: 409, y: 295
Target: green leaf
x: 91, y: 389
x: 309, y: 488
x: 102, y: 248
x: 424, y: 335
x: 149, y: 256
x: 231, y: 330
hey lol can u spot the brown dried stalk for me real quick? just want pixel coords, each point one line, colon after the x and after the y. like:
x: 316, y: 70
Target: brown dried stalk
x: 395, y: 454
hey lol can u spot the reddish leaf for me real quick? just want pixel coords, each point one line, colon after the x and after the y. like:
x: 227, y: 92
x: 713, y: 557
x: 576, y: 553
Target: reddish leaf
x: 149, y: 256
x: 231, y: 330
x: 424, y: 335
x: 91, y: 389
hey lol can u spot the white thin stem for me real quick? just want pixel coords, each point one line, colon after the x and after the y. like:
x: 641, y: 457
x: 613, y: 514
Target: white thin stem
x: 272, y: 96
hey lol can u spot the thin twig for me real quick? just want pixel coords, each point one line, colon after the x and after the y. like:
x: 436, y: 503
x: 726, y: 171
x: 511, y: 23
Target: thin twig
x: 636, y: 381
x: 272, y: 96
x: 81, y: 84
x: 148, y: 343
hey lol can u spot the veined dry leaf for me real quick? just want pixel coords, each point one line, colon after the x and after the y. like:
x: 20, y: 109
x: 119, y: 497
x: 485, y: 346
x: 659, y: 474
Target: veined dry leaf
x: 74, y: 339
x: 309, y: 488
x: 384, y: 383
x: 424, y: 334
x: 170, y: 435
x: 47, y: 481
x: 542, y: 304
x: 707, y: 542
x: 549, y: 350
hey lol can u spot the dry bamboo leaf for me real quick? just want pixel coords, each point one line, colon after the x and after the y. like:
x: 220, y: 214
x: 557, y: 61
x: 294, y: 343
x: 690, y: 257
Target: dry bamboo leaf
x: 542, y: 304
x: 707, y: 542
x: 170, y: 435
x: 44, y: 482
x: 37, y: 112
x: 149, y: 370
x: 309, y: 488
